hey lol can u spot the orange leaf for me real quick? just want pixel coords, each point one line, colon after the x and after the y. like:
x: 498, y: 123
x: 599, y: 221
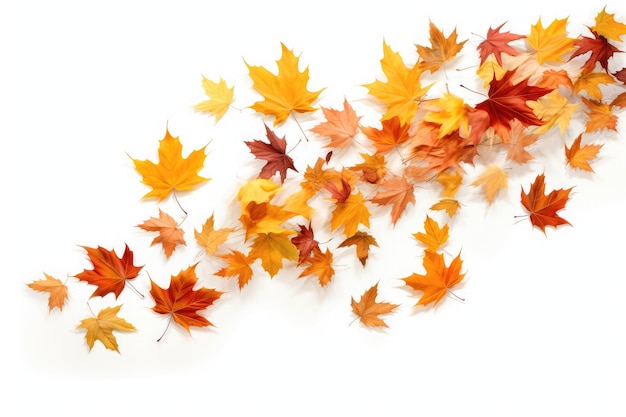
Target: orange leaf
x: 493, y: 179
x: 350, y: 214
x: 600, y: 116
x: 450, y: 182
x: 320, y: 264
x: 551, y: 43
x: 239, y: 265
x: 340, y: 126
x: 362, y: 241
x: 170, y: 234
x: 579, y: 157
x: 54, y: 287
x: 497, y: 43
x: 210, y: 238
x: 543, y: 207
x: 272, y: 248
x: 368, y: 310
x: 101, y: 328
x: 373, y: 168
x: 181, y: 302
x: 449, y: 205
x: 438, y: 279
x: 392, y: 134
x: 517, y: 141
x: 398, y: 192
x: 434, y: 237
x: 443, y: 49
x: 109, y: 272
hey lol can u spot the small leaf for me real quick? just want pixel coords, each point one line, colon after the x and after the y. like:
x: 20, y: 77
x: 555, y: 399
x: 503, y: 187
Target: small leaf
x: 170, y: 235
x: 54, y: 287
x: 101, y: 328
x: 362, y: 241
x: 579, y: 157
x: 367, y: 309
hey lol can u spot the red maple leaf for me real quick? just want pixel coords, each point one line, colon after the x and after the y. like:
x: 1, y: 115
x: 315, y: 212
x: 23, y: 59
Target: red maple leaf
x: 274, y: 153
x: 305, y: 242
x: 543, y: 207
x: 600, y: 48
x: 497, y: 43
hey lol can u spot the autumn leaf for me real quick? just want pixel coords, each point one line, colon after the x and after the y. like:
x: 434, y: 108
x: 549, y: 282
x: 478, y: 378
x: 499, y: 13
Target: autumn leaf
x: 349, y: 214
x: 398, y: 192
x: 274, y: 153
x: 362, y: 242
x: 258, y: 218
x: 449, y: 205
x: 172, y: 172
x: 553, y: 109
x: 239, y: 265
x: 542, y: 207
x: 110, y: 273
x: 170, y: 235
x: 600, y: 48
x: 181, y: 302
x: 517, y: 141
x: 434, y: 236
x: 438, y: 280
x: 402, y: 91
x: 441, y: 51
x: 451, y: 115
x: 450, y: 182
x: 391, y: 134
x: 590, y: 81
x: 579, y: 157
x: 554, y: 79
x: 607, y: 27
x: 57, y: 291
x: 497, y: 43
x: 367, y: 309
x: 210, y: 238
x: 305, y: 242
x: 220, y: 98
x: 600, y: 116
x: 373, y: 168
x: 550, y: 43
x: 493, y: 179
x: 271, y: 249
x: 340, y: 126
x: 320, y: 264
x: 490, y: 70
x: 101, y: 328
x: 619, y: 101
x: 285, y: 92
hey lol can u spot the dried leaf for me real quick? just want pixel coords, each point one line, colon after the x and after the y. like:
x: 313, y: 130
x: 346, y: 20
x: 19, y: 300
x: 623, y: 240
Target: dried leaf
x: 579, y: 157
x: 101, y: 328
x: 434, y: 236
x: 57, y: 291
x: 367, y: 309
x: 543, y: 207
x: 362, y: 242
x: 438, y: 279
x: 170, y: 235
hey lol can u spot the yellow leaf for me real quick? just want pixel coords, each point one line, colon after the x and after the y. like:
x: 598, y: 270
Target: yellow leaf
x: 551, y: 43
x: 272, y: 248
x: 264, y: 218
x: 443, y: 49
x: 451, y: 116
x: 554, y: 110
x: 590, y: 82
x: 220, y: 98
x: 607, y: 26
x: 284, y: 92
x: 489, y: 70
x: 101, y: 328
x: 579, y: 157
x: 451, y: 182
x: 493, y: 179
x: 350, y: 213
x: 449, y: 205
x: 173, y: 172
x: 210, y: 238
x: 434, y: 235
x: 260, y: 190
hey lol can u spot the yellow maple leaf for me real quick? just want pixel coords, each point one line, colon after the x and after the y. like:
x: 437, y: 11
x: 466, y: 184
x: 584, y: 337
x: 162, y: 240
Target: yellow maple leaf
x: 450, y: 182
x: 449, y: 205
x: 402, y: 91
x: 285, y: 92
x: 434, y: 236
x: 54, y: 287
x: 271, y: 249
x: 210, y: 238
x: 259, y: 218
x: 260, y: 190
x: 220, y: 98
x: 489, y: 70
x: 590, y: 82
x: 320, y: 264
x: 554, y: 110
x: 607, y: 26
x: 579, y: 157
x: 493, y: 179
x: 350, y: 213
x: 550, y: 43
x: 443, y: 49
x: 172, y: 172
x: 101, y: 328
x: 451, y: 115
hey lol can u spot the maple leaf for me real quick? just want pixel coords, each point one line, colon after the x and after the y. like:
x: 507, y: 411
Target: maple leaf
x: 579, y: 157
x: 517, y: 141
x: 272, y: 248
x: 316, y: 177
x: 110, y: 273
x: 391, y: 134
x: 542, y: 207
x: 490, y: 70
x: 497, y: 43
x: 443, y: 49
x: 493, y: 179
x: 554, y: 79
x: 434, y: 235
x: 320, y: 264
x: 220, y: 98
x: 305, y: 242
x: 553, y: 110
x: 452, y: 115
x: 340, y: 126
x: 54, y: 287
x: 239, y: 265
x: 368, y: 309
x: 590, y: 82
x: 173, y: 172
x: 362, y: 242
x: 607, y: 27
x: 438, y: 279
x: 210, y: 238
x: 260, y: 190
x: 450, y: 182
x: 550, y: 43
x: 398, y: 192
x: 170, y: 235
x: 508, y: 101
x: 285, y: 92
x: 101, y: 328
x: 274, y: 153
x: 600, y: 48
x: 264, y: 218
x: 619, y: 101
x: 349, y: 214
x: 449, y: 205
x: 373, y: 168
x: 600, y: 115
x: 402, y: 91
x: 181, y: 302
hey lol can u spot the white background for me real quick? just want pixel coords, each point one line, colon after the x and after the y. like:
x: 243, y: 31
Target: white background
x: 83, y: 84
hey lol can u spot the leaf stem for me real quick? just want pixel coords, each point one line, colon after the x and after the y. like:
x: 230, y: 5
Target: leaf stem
x: 455, y: 296
x: 178, y: 202
x: 299, y: 125
x: 135, y: 289
x: 166, y: 327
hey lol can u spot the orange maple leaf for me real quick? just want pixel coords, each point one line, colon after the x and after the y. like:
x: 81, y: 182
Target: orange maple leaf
x: 550, y: 43
x: 271, y: 249
x: 368, y: 309
x: 320, y: 264
x: 340, y: 126
x: 210, y: 238
x: 450, y: 206
x: 239, y: 265
x: 542, y: 207
x: 350, y: 213
x: 590, y: 82
x: 373, y: 168
x: 392, y: 134
x: 438, y: 279
x: 399, y: 192
x: 172, y: 172
x: 181, y: 302
x: 284, y: 92
x: 110, y: 273
x: 434, y: 235
x: 579, y: 157
x: 54, y: 287
x: 450, y: 182
x: 101, y: 328
x: 443, y: 49
x: 493, y: 179
x: 600, y: 116
x: 516, y: 142
x: 362, y: 242
x: 170, y: 235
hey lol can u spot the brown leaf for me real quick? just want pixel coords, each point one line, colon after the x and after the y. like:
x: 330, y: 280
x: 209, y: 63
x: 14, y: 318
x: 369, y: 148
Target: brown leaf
x: 362, y: 241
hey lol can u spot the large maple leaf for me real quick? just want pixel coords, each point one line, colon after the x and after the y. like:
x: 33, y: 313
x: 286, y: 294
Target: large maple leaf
x: 110, y: 272
x: 170, y: 235
x: 275, y: 153
x: 442, y: 49
x: 497, y: 43
x: 285, y: 92
x: 508, y: 101
x: 608, y: 27
x: 172, y: 172
x: 542, y: 207
x: 438, y: 279
x: 367, y: 309
x: 101, y: 327
x: 181, y: 301
x: 340, y: 126
x: 57, y: 291
x: 398, y: 192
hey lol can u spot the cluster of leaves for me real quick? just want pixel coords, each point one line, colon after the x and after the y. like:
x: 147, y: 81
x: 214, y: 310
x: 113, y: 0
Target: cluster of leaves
x: 534, y: 84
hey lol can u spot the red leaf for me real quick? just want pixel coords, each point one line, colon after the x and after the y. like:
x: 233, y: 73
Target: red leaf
x: 305, y: 242
x: 497, y: 43
x: 274, y: 153
x: 601, y: 50
x: 543, y: 207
